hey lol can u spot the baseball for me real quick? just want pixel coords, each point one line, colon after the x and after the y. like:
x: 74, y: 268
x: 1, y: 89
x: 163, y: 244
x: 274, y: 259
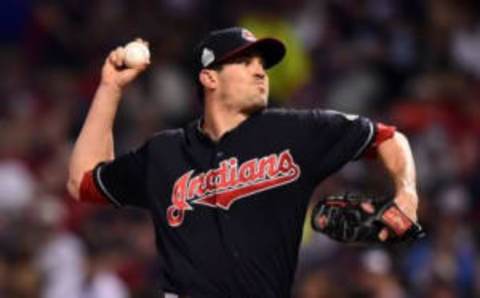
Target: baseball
x: 136, y: 54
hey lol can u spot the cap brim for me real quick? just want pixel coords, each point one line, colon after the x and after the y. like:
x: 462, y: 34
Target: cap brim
x: 272, y: 51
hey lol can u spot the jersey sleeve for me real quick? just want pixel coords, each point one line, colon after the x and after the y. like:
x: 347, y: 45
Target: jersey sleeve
x: 337, y: 138
x: 89, y: 192
x: 123, y: 180
x: 383, y: 133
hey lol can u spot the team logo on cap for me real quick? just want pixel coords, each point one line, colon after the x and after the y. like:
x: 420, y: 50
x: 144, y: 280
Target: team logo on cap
x: 247, y: 35
x: 207, y: 57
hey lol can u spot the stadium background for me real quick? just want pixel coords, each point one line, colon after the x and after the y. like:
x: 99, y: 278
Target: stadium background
x: 412, y: 63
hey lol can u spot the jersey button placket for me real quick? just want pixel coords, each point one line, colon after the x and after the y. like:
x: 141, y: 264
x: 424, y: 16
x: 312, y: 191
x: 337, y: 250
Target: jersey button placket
x: 219, y: 156
x: 225, y: 214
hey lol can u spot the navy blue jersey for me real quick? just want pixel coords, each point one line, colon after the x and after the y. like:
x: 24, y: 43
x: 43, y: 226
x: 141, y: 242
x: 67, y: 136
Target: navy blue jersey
x: 228, y: 215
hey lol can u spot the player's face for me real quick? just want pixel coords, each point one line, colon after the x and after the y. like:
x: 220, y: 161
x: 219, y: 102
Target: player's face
x: 243, y: 83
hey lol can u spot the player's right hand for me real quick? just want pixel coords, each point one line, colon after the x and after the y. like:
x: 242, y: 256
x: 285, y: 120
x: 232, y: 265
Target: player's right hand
x: 114, y: 72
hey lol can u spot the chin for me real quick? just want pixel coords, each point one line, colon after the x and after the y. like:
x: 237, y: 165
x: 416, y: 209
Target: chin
x: 254, y: 107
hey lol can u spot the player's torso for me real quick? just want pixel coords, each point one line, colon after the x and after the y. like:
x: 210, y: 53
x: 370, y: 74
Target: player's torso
x: 233, y: 210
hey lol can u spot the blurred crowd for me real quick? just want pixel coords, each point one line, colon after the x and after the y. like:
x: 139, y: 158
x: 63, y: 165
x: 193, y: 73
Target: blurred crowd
x: 411, y: 63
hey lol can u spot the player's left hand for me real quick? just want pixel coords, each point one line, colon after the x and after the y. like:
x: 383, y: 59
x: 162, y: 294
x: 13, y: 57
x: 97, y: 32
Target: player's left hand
x: 407, y: 203
x: 356, y: 218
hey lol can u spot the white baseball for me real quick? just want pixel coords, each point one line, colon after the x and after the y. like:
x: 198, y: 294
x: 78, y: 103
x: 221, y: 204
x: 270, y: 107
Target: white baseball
x: 136, y: 54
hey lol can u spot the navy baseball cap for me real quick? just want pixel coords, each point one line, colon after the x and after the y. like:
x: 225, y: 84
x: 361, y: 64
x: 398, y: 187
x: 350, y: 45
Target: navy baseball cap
x: 220, y: 45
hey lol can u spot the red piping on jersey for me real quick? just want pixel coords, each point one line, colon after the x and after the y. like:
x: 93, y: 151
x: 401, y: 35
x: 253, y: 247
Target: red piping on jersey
x: 89, y: 191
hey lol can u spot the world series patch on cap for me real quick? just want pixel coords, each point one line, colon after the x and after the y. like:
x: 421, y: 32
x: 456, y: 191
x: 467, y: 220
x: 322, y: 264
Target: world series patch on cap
x: 220, y: 45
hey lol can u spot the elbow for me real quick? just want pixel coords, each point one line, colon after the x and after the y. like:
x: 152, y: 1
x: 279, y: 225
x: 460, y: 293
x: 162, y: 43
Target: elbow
x: 398, y: 140
x: 402, y: 143
x: 77, y: 174
x: 396, y: 151
x: 400, y: 137
x: 73, y: 188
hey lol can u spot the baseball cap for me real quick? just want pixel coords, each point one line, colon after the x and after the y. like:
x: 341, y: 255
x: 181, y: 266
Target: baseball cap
x: 220, y: 45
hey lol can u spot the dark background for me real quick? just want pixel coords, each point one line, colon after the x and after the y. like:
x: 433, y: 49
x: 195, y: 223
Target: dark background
x: 411, y: 63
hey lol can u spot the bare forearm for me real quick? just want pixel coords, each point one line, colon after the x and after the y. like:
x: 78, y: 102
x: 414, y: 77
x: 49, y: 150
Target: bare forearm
x: 397, y: 158
x: 95, y: 142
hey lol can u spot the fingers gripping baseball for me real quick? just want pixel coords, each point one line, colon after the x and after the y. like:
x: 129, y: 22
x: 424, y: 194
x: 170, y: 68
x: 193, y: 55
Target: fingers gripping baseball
x: 115, y: 70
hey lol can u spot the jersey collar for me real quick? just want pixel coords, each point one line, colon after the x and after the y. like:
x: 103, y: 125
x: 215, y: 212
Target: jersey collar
x: 195, y: 129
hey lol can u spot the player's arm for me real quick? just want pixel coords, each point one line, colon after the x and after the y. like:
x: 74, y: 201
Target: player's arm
x: 396, y: 155
x: 95, y: 142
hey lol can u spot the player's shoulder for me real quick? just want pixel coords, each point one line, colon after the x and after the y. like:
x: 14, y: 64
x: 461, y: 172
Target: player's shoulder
x: 167, y: 140
x: 283, y: 119
x: 285, y: 113
x: 167, y: 137
x: 296, y: 114
x: 316, y: 112
x: 314, y: 116
x: 169, y: 133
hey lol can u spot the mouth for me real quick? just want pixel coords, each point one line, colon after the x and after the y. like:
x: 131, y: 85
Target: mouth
x: 262, y: 89
x: 261, y: 86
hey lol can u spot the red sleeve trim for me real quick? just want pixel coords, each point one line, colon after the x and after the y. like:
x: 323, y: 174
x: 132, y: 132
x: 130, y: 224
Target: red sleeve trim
x: 89, y: 191
x: 383, y: 133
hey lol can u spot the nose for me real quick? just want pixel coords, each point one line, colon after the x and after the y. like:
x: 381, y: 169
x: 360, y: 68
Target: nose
x: 259, y: 70
x: 260, y: 75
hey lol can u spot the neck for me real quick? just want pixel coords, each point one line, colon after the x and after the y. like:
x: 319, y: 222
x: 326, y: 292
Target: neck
x: 219, y: 120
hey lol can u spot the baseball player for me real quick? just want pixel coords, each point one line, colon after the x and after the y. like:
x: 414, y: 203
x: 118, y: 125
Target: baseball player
x: 228, y: 193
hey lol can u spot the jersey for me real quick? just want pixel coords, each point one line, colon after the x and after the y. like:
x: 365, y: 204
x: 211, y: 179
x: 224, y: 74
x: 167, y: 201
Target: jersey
x: 228, y: 215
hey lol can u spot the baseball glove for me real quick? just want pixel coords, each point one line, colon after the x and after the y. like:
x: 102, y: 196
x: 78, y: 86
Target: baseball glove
x: 344, y: 218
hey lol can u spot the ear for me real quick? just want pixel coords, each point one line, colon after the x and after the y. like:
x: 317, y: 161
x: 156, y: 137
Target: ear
x: 208, y: 78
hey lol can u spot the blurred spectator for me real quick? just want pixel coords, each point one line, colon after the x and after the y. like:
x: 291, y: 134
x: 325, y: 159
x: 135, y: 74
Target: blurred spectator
x: 449, y: 256
x: 100, y: 279
x: 377, y: 278
x: 60, y: 255
x: 465, y: 43
x: 17, y: 186
x: 319, y: 284
x: 412, y: 63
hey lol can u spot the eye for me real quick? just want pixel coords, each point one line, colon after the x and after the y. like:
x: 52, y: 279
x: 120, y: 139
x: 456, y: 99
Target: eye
x: 242, y: 60
x: 247, y: 59
x: 262, y: 62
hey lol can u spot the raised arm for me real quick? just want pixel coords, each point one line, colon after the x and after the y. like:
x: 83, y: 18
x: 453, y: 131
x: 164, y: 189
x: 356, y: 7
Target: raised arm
x: 95, y: 142
x: 396, y: 155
